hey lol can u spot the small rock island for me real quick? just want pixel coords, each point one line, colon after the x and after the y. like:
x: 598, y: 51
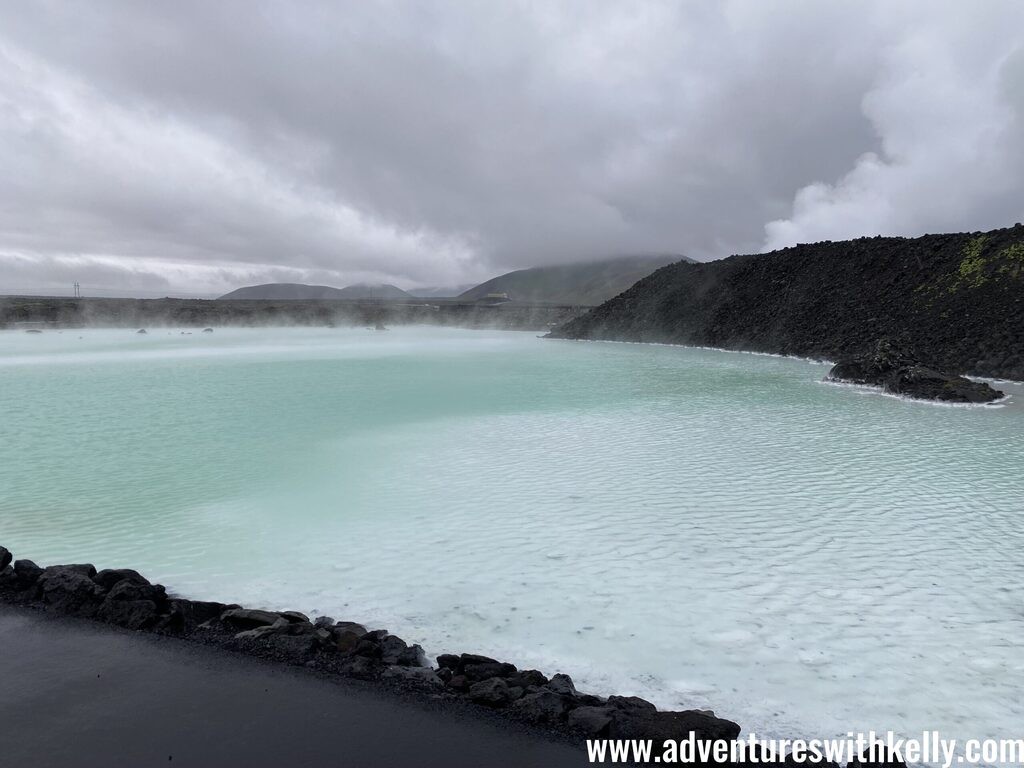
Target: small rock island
x: 899, y: 370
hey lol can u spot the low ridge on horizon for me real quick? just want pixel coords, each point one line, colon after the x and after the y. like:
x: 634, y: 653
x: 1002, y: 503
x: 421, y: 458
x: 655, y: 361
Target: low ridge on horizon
x: 586, y: 283
x: 300, y: 291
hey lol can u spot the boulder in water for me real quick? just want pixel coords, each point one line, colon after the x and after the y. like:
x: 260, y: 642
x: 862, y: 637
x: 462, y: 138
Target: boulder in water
x: 899, y: 371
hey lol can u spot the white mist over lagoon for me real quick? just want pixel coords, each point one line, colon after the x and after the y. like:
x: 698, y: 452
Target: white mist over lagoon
x: 702, y: 528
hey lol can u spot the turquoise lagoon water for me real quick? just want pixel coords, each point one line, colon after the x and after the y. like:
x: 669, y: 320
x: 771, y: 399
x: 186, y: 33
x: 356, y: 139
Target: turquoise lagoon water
x: 703, y: 528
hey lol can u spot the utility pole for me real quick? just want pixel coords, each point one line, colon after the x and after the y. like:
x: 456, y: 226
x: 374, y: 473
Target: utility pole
x: 78, y: 290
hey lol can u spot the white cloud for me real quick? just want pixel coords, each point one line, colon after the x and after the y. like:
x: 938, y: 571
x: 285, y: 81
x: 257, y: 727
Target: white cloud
x: 167, y: 203
x: 187, y: 146
x: 951, y: 140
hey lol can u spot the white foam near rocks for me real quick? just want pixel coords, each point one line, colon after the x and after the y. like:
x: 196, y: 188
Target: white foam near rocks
x: 871, y: 389
x: 704, y: 529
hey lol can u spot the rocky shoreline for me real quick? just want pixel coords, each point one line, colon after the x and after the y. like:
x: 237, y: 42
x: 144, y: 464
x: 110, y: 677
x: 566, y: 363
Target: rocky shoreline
x: 346, y: 649
x: 958, y: 299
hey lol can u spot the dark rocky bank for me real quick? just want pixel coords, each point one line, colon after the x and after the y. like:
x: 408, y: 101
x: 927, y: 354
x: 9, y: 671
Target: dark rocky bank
x: 899, y: 371
x: 345, y: 649
x: 957, y: 299
x: 125, y: 598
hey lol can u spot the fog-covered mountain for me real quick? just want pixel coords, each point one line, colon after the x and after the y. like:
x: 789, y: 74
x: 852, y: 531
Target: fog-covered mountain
x: 440, y: 292
x: 591, y: 282
x: 281, y: 291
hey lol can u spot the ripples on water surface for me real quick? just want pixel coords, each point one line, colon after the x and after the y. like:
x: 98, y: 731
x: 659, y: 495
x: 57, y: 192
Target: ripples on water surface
x: 699, y: 527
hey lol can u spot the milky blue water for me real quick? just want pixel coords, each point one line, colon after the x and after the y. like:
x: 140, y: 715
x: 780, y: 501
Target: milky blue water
x: 702, y: 528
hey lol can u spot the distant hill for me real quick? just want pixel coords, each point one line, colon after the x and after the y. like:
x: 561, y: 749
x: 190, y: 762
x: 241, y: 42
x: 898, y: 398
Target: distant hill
x: 279, y: 291
x: 439, y: 292
x: 371, y: 291
x: 284, y: 291
x: 956, y: 299
x: 589, y: 283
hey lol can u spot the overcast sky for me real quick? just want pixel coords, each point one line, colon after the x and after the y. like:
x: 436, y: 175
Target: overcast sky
x: 154, y: 148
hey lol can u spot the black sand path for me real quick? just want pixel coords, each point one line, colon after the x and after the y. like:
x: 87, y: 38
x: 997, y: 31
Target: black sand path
x: 78, y: 694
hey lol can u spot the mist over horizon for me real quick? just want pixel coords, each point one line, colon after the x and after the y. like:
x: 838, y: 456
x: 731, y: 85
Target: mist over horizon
x: 192, y: 149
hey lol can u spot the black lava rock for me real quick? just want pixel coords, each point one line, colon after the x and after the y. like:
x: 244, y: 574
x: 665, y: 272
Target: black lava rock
x: 448, y: 661
x: 486, y: 670
x: 592, y: 721
x: 27, y: 573
x: 561, y: 684
x: 349, y: 626
x: 494, y: 693
x: 631, y: 704
x: 362, y: 668
x: 412, y: 656
x: 392, y: 648
x: 423, y: 678
x: 109, y: 577
x: 644, y: 724
x: 184, y: 616
x: 527, y: 678
x: 70, y: 589
x: 129, y: 589
x: 131, y: 614
x: 543, y: 707
x: 346, y: 640
x: 898, y: 370
x: 248, y: 618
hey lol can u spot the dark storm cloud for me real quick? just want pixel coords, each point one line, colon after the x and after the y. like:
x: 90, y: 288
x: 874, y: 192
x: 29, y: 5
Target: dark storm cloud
x: 195, y: 146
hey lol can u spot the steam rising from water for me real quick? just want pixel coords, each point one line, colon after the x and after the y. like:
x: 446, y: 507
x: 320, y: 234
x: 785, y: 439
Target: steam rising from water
x: 702, y: 528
